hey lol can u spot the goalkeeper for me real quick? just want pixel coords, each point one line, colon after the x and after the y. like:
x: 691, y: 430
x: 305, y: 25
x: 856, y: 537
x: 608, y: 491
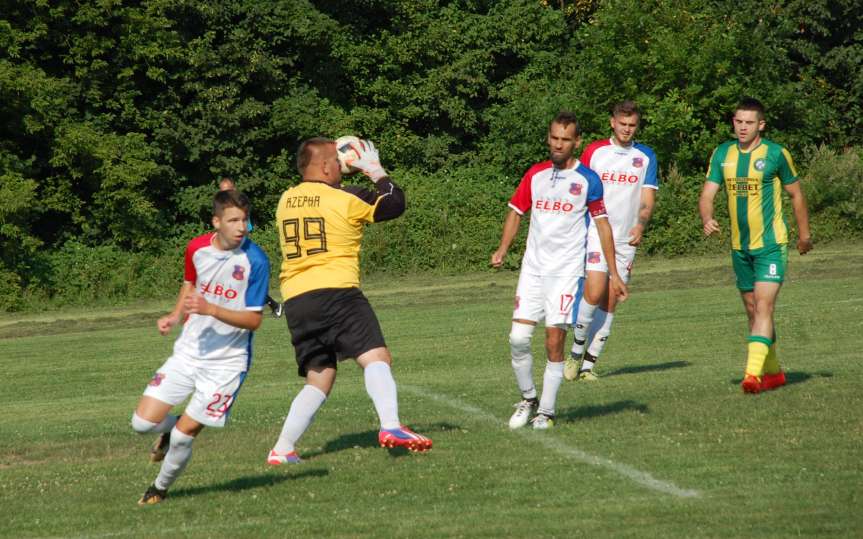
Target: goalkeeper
x: 320, y: 224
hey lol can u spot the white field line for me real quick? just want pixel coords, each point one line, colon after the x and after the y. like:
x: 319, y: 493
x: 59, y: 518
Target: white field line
x: 561, y: 448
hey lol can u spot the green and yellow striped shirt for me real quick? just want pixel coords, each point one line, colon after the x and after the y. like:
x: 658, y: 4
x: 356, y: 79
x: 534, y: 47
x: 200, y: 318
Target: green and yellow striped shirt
x: 753, y: 181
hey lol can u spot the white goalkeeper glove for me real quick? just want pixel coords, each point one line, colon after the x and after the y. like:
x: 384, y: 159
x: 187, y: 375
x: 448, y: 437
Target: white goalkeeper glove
x: 368, y: 162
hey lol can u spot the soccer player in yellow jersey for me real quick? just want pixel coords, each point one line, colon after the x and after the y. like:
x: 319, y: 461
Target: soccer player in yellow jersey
x: 755, y: 171
x: 320, y: 224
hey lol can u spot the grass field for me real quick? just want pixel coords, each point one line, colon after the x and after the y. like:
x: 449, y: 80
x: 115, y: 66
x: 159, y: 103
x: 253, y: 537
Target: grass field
x: 664, y: 445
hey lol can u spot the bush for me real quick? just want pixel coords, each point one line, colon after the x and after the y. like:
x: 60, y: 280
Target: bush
x: 833, y: 183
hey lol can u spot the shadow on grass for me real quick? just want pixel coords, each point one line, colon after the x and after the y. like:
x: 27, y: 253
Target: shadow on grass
x: 587, y: 412
x: 648, y: 368
x: 248, y: 482
x: 795, y: 377
x: 369, y: 438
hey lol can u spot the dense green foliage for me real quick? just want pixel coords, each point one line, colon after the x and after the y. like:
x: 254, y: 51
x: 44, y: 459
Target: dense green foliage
x: 118, y: 117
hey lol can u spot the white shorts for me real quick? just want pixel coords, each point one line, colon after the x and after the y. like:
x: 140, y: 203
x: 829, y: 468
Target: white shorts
x: 213, y: 391
x: 548, y: 298
x: 624, y: 255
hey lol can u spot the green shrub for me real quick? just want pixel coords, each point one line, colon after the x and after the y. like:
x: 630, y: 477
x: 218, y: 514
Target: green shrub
x: 833, y: 183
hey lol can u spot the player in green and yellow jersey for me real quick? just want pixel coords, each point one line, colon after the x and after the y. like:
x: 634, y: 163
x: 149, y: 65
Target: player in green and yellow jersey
x: 755, y: 171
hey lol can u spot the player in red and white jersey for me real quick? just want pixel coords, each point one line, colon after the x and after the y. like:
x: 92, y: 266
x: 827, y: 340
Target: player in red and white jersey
x: 628, y: 171
x: 559, y: 194
x: 220, y: 302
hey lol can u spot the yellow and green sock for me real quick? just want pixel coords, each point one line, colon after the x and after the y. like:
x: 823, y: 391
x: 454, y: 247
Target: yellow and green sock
x: 759, y: 349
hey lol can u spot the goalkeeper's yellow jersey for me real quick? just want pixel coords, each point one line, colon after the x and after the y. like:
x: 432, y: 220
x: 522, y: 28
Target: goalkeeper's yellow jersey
x: 321, y: 228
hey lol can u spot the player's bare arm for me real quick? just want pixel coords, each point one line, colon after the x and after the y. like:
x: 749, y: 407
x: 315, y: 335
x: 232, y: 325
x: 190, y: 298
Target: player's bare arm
x: 606, y: 239
x: 801, y: 215
x: 510, y: 229
x: 165, y: 323
x: 195, y: 303
x: 705, y: 207
x: 645, y: 211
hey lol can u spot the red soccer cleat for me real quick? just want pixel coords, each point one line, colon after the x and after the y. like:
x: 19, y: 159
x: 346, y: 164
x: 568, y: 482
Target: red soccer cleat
x: 275, y: 459
x: 751, y: 384
x: 772, y: 381
x: 404, y: 437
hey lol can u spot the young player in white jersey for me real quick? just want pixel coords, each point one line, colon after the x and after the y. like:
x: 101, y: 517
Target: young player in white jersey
x: 559, y: 194
x: 220, y: 302
x: 628, y: 171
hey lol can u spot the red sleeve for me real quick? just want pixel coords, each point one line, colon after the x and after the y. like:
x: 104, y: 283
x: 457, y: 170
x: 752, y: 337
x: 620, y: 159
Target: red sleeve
x: 191, y: 273
x: 522, y: 199
x: 587, y: 155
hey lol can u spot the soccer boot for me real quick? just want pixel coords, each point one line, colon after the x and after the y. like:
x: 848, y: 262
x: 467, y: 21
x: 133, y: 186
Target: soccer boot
x: 751, y: 384
x: 523, y: 411
x: 404, y: 437
x: 542, y: 421
x: 153, y: 496
x: 275, y: 459
x: 160, y: 447
x: 586, y: 376
x: 276, y: 307
x: 772, y: 381
x: 570, y: 368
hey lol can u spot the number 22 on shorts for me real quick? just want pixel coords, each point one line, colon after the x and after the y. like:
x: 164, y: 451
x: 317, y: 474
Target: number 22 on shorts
x: 219, y: 405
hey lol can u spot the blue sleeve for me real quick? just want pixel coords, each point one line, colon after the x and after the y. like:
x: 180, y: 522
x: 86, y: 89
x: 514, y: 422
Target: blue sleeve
x: 651, y: 177
x: 594, y: 185
x: 259, y: 280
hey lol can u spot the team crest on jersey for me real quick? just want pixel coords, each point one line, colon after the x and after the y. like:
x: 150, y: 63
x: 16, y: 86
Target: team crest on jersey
x: 593, y: 257
x: 575, y: 189
x: 157, y: 379
x: 637, y: 162
x: 760, y: 164
x: 238, y: 273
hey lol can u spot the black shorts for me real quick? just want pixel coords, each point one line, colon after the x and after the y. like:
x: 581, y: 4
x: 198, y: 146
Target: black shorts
x: 329, y: 325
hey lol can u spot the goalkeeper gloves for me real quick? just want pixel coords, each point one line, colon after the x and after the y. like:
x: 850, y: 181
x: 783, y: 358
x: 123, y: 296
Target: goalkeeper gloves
x: 368, y: 162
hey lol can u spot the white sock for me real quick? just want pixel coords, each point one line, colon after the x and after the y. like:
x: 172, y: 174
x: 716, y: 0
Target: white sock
x: 597, y: 343
x: 142, y: 426
x: 522, y: 359
x: 381, y: 387
x: 582, y: 323
x: 550, y: 385
x: 303, y: 409
x: 178, y: 455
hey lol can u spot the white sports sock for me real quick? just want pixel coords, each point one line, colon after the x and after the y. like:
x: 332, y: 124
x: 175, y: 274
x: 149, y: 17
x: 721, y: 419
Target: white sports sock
x: 142, y: 426
x: 550, y: 385
x: 178, y: 456
x: 597, y: 343
x: 582, y: 324
x: 522, y: 359
x: 303, y: 409
x: 381, y: 387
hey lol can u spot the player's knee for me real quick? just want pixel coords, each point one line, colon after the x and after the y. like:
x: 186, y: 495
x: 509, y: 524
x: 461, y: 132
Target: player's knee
x: 141, y: 425
x: 519, y: 341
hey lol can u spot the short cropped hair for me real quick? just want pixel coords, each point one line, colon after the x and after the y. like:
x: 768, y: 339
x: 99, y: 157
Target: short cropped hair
x: 230, y: 199
x: 750, y: 103
x: 304, y: 153
x: 566, y: 118
x: 627, y: 107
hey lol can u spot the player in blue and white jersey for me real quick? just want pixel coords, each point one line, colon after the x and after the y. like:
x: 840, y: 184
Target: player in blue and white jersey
x: 628, y: 170
x: 219, y: 305
x: 559, y: 194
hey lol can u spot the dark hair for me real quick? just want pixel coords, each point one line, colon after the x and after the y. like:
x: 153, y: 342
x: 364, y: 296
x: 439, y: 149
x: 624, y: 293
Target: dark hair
x: 750, y: 103
x: 566, y: 118
x: 627, y: 107
x: 230, y: 199
x: 304, y: 153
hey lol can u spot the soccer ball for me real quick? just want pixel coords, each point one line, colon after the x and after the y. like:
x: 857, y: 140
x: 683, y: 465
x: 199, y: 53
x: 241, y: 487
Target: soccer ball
x: 347, y: 149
